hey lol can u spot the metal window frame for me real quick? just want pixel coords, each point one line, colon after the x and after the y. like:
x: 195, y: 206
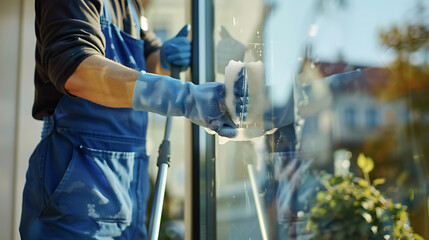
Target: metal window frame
x: 203, y: 144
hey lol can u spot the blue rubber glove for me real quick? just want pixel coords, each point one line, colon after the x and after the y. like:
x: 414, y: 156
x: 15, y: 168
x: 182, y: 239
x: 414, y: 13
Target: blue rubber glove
x: 177, y: 51
x: 203, y: 104
x: 241, y: 95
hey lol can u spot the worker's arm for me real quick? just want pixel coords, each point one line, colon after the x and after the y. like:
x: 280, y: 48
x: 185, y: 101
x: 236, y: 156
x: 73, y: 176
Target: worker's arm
x: 107, y: 83
x: 103, y: 81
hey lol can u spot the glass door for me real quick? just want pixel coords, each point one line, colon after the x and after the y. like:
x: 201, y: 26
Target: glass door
x: 335, y: 144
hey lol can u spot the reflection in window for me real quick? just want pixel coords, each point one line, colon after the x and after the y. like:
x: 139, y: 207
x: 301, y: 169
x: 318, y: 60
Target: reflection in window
x: 372, y: 119
x: 350, y: 117
x: 359, y: 91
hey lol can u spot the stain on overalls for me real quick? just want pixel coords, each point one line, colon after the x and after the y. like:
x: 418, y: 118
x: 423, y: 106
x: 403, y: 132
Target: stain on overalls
x: 88, y: 177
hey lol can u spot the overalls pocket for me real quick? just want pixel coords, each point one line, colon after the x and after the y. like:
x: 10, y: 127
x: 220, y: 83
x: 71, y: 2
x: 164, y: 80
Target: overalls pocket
x: 99, y: 194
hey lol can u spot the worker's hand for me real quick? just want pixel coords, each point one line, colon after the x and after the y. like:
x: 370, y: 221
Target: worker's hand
x: 240, y: 99
x: 177, y: 51
x: 228, y: 49
x: 208, y: 109
x: 203, y: 104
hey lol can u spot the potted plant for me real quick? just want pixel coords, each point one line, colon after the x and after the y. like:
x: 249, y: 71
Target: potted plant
x: 350, y: 207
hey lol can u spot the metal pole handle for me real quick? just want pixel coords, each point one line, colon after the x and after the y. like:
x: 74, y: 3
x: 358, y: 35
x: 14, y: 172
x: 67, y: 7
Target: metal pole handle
x: 258, y: 205
x: 161, y: 179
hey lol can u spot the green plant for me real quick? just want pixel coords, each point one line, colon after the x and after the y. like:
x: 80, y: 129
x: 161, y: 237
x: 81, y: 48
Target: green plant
x: 352, y: 208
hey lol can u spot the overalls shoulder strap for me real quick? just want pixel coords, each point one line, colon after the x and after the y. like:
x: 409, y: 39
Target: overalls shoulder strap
x: 135, y: 15
x: 105, y: 12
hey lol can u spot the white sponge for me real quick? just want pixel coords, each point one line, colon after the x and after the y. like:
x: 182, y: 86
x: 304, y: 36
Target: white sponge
x: 256, y: 84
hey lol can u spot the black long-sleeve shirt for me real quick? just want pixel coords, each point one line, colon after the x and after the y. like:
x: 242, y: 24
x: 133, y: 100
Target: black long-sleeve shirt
x: 67, y: 32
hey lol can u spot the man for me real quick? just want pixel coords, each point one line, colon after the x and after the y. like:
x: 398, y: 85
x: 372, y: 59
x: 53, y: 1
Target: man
x: 87, y: 178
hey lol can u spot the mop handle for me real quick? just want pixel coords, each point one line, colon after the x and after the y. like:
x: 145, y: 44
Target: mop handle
x: 175, y: 73
x: 161, y: 179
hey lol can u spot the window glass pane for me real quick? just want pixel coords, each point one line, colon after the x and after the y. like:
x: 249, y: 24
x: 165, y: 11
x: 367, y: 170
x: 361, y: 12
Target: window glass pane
x: 335, y: 141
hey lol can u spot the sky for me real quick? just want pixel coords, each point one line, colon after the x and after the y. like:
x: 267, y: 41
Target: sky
x: 357, y: 27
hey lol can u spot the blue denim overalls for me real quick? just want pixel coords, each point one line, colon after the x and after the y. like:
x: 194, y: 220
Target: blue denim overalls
x: 88, y: 177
